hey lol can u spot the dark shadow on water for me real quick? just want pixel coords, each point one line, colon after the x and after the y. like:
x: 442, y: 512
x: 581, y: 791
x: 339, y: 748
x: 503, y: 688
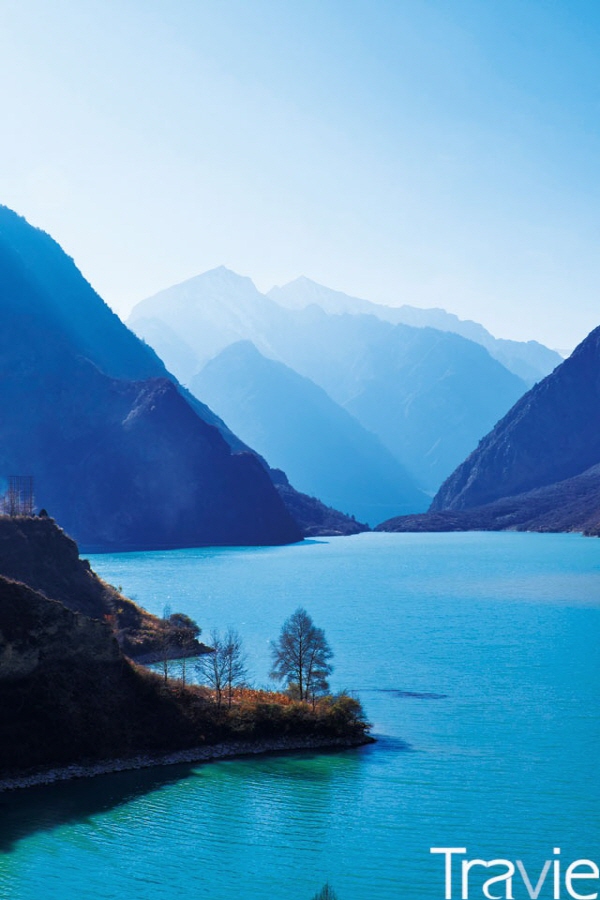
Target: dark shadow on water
x: 409, y: 695
x: 26, y: 811
x: 388, y: 744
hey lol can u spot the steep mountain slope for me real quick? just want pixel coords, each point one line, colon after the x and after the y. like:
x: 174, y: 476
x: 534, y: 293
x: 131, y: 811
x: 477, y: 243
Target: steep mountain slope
x: 529, y: 360
x: 299, y: 428
x: 122, y: 463
x: 538, y: 469
x: 312, y: 515
x: 428, y: 395
x: 42, y: 285
x: 551, y: 434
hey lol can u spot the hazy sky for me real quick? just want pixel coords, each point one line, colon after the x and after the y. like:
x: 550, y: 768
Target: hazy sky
x: 431, y: 152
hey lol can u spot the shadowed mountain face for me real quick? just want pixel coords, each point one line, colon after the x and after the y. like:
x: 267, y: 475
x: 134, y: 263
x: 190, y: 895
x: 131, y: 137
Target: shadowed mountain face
x: 550, y: 435
x: 530, y: 360
x: 293, y: 423
x: 428, y: 395
x: 119, y: 456
x: 569, y: 505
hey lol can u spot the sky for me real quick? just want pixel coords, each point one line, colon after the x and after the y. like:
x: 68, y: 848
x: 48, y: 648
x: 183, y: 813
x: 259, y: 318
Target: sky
x: 429, y: 152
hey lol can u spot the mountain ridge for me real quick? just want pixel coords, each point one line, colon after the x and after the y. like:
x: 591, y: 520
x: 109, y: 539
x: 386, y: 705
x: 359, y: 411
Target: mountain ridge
x: 530, y: 360
x: 294, y: 423
x: 549, y: 435
x: 86, y: 406
x: 342, y: 354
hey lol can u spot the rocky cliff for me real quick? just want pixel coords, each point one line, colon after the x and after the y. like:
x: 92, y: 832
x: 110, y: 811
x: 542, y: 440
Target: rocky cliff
x: 67, y: 693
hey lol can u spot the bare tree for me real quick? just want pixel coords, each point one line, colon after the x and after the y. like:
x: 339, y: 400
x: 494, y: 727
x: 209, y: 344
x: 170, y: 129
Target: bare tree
x: 18, y: 499
x: 210, y: 667
x: 224, y: 668
x: 301, y: 656
x: 165, y: 642
x: 236, y: 669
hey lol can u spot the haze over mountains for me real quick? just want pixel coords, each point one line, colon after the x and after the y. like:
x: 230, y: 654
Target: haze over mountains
x: 363, y: 413
x: 539, y: 467
x: 529, y: 360
x: 190, y: 323
x: 299, y: 428
x: 120, y: 457
x: 428, y: 394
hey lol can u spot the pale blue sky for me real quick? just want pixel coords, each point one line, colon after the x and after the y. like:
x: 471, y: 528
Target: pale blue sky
x: 432, y: 152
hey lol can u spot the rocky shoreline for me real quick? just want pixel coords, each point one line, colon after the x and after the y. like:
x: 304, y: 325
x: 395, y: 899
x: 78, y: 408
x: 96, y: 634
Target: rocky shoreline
x: 206, y: 753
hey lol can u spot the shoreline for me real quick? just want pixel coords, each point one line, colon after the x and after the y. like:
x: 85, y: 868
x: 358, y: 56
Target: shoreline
x: 203, y: 754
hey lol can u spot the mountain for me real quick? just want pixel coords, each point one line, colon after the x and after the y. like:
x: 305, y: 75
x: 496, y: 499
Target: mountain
x: 550, y: 435
x: 118, y: 452
x: 530, y: 360
x: 203, y: 316
x: 569, y: 505
x: 444, y: 391
x: 428, y: 395
x: 294, y: 423
x: 312, y: 515
x: 539, y: 467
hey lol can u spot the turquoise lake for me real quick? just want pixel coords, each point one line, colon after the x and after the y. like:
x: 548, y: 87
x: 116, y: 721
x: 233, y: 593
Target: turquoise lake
x: 477, y: 659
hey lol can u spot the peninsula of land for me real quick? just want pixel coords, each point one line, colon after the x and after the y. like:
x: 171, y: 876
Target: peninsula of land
x: 73, y: 701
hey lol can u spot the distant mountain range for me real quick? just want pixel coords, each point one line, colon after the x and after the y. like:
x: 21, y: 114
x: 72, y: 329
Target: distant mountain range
x: 538, y: 468
x: 190, y: 323
x: 365, y: 412
x: 296, y: 425
x: 122, y: 458
x: 530, y: 360
x: 428, y: 394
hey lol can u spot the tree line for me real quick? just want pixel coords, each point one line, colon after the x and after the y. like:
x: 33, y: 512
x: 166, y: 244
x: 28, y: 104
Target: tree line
x: 300, y: 657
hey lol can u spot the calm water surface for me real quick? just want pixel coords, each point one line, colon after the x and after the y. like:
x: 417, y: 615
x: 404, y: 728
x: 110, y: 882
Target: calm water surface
x: 497, y: 635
